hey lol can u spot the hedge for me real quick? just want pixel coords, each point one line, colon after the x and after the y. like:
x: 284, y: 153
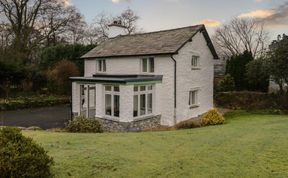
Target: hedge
x: 250, y: 100
x: 32, y: 102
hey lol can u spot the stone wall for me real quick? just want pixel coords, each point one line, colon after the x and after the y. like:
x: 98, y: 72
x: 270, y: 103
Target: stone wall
x: 134, y: 126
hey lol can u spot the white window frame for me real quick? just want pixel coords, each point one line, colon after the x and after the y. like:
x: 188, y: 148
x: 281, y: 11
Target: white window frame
x: 149, y: 69
x: 146, y: 92
x: 190, y: 98
x: 112, y: 93
x: 101, y: 65
x: 195, y: 65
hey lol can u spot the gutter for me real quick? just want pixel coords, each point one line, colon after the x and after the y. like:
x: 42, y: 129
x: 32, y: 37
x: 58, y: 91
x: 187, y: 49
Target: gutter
x: 175, y: 88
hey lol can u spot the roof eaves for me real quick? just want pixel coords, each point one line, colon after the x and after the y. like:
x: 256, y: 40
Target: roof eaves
x: 132, y: 55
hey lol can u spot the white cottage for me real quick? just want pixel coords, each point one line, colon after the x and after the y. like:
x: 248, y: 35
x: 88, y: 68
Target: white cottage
x: 134, y: 82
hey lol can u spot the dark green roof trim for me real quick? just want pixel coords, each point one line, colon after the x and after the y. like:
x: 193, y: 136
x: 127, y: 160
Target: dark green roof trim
x: 119, y: 79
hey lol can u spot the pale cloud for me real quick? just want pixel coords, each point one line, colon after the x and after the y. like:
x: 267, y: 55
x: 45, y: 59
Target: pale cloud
x: 279, y: 19
x: 210, y: 22
x: 261, y: 13
x: 66, y: 2
x: 119, y: 1
x: 273, y: 18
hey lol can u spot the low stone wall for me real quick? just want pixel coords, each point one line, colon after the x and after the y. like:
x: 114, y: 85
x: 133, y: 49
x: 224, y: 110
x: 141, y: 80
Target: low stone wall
x: 134, y: 126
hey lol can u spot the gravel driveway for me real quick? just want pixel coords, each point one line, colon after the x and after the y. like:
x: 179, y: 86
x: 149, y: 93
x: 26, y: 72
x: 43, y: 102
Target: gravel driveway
x: 46, y: 118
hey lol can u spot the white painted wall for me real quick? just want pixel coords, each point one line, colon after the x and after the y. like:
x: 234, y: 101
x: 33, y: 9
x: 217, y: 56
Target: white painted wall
x: 89, y: 68
x: 75, y: 98
x: 126, y: 103
x: 114, y: 31
x: 274, y: 87
x: 188, y: 79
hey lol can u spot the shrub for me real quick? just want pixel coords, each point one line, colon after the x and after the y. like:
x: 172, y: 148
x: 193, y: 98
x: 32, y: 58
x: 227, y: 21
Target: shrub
x: 249, y: 100
x: 21, y: 156
x: 226, y: 84
x: 58, y: 76
x: 212, y: 117
x: 84, y: 125
x: 189, y: 124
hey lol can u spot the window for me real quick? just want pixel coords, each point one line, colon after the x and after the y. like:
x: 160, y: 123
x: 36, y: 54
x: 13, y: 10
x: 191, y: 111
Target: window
x: 193, y: 98
x: 195, y: 62
x: 101, y: 65
x: 148, y: 65
x: 112, y: 101
x: 143, y: 100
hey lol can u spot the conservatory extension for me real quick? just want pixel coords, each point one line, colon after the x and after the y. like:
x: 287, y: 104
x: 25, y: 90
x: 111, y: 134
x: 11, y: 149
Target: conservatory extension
x: 123, y: 98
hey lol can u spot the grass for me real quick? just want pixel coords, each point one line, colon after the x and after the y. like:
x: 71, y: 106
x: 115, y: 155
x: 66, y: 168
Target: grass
x: 248, y: 145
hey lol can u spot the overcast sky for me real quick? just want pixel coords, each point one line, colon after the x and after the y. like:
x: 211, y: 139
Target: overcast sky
x: 167, y: 14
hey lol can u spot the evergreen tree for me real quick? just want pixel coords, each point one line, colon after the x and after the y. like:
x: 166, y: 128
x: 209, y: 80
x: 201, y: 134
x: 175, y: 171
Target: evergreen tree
x: 236, y: 67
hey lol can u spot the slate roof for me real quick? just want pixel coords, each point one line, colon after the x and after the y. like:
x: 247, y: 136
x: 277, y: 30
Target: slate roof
x: 153, y: 43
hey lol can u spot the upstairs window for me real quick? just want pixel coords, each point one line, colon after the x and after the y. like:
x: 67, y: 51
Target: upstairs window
x: 195, y: 62
x: 101, y: 65
x: 193, y: 98
x: 148, y: 65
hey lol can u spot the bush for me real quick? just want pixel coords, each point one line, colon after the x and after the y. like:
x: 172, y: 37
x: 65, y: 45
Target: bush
x: 212, y: 117
x: 58, y: 76
x: 21, y: 156
x: 189, y: 124
x: 84, y: 125
x: 248, y: 100
x: 226, y: 84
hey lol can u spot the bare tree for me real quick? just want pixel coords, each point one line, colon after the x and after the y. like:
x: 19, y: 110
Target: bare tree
x: 239, y: 35
x: 57, y: 21
x: 98, y: 30
x: 21, y: 16
x: 129, y: 20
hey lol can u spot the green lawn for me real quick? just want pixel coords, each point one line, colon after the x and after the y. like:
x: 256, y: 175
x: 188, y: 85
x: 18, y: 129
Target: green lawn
x: 248, y: 145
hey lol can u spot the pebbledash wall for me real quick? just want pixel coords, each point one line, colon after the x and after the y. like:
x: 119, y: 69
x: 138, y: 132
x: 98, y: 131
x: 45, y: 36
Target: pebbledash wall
x: 187, y: 80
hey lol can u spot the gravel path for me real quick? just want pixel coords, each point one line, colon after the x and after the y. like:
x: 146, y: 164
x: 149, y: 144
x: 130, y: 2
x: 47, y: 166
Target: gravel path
x: 46, y: 118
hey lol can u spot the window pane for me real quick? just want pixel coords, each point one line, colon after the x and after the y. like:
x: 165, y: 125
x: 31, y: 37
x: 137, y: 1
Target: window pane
x: 190, y: 98
x: 150, y: 87
x: 135, y: 106
x: 116, y: 105
x: 108, y: 88
x: 149, y: 103
x: 193, y: 97
x: 116, y: 88
x: 151, y: 61
x: 144, y: 65
x: 142, y: 88
x: 195, y: 61
x: 108, y: 108
x: 104, y: 65
x: 135, y: 88
x: 100, y: 65
x: 142, y: 104
x: 91, y: 97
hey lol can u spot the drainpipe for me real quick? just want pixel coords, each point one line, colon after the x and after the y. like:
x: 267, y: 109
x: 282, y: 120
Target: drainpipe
x: 175, y: 88
x: 71, y: 96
